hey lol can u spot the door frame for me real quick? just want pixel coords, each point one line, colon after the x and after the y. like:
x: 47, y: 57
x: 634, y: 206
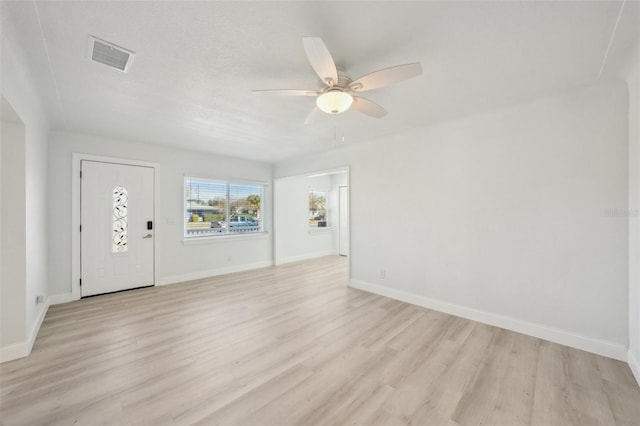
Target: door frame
x: 75, y: 211
x: 340, y: 206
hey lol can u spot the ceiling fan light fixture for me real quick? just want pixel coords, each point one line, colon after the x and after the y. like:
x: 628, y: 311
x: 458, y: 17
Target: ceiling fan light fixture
x: 334, y: 102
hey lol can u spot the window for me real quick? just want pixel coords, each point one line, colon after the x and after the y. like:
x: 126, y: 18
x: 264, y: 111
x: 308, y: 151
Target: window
x: 215, y: 208
x: 120, y: 198
x: 318, y: 209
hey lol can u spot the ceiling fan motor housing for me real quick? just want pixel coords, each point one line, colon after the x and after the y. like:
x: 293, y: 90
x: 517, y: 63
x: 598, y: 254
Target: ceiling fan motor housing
x: 344, y: 80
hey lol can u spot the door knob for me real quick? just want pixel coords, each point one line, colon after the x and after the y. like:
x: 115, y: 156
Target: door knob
x: 148, y: 236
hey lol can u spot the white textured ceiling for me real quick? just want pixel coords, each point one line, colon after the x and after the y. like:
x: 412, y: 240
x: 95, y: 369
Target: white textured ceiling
x: 197, y: 62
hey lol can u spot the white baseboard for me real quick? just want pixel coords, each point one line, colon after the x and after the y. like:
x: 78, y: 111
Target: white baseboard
x: 174, y: 279
x: 634, y: 364
x: 556, y: 335
x: 306, y: 256
x: 15, y: 351
x: 57, y: 299
x: 22, y: 349
x: 36, y: 325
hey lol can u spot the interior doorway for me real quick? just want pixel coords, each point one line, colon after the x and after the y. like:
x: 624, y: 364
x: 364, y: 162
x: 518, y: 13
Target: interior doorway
x: 311, y: 215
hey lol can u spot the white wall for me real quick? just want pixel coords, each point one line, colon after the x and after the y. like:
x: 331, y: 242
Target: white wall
x: 27, y: 168
x: 13, y: 229
x: 501, y: 217
x: 294, y: 240
x: 36, y: 231
x: 634, y: 216
x: 175, y: 260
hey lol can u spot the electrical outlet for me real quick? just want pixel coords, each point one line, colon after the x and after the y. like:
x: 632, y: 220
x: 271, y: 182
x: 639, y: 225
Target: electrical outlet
x: 383, y: 273
x: 39, y: 299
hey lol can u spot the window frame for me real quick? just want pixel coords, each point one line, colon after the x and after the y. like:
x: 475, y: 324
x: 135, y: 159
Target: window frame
x: 226, y: 235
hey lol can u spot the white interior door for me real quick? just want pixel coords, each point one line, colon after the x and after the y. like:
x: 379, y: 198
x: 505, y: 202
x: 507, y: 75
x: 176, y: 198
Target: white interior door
x: 116, y: 210
x: 343, y: 232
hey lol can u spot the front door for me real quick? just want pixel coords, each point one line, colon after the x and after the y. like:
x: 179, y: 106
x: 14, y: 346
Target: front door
x: 117, y: 228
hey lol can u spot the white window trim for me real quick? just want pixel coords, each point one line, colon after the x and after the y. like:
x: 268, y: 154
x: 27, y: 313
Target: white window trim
x: 323, y: 230
x: 225, y: 238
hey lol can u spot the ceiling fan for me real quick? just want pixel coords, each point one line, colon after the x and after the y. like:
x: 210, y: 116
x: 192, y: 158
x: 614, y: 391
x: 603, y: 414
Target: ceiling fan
x: 337, y: 90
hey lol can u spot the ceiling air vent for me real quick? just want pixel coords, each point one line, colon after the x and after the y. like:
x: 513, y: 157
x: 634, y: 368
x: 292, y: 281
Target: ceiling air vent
x: 109, y: 54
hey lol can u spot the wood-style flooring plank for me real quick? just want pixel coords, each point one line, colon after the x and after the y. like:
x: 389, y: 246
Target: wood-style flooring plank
x: 294, y: 345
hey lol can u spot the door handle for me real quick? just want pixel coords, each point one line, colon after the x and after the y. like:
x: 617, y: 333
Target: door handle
x: 148, y: 236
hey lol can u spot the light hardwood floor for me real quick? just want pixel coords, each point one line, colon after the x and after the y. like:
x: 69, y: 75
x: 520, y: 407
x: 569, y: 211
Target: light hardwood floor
x: 293, y: 345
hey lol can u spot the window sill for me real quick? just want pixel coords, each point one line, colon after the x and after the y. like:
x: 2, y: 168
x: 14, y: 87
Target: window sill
x: 320, y: 231
x: 225, y: 238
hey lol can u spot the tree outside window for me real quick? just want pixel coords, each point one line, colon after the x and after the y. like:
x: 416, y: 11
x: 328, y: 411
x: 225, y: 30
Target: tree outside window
x: 317, y: 209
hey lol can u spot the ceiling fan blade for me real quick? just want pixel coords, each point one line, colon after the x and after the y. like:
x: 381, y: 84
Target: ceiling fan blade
x: 386, y: 77
x: 321, y: 60
x: 313, y: 115
x: 286, y: 92
x: 368, y: 107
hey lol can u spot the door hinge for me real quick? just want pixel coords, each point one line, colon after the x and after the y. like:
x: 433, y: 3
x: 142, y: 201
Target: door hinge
x: 80, y: 174
x: 80, y: 228
x: 80, y: 282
